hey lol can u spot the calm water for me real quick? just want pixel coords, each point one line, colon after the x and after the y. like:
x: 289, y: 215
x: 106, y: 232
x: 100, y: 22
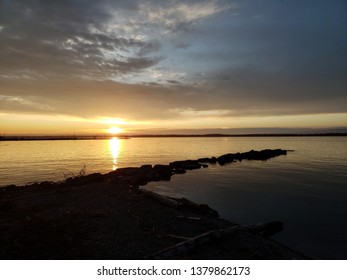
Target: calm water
x: 306, y: 189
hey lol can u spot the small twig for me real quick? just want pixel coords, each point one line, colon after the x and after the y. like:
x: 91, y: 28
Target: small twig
x: 177, y: 236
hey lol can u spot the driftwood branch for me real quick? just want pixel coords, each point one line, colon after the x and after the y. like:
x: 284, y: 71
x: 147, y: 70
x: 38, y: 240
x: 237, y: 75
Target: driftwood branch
x: 177, y: 236
x: 202, y: 209
x: 264, y: 229
x: 186, y: 246
x: 163, y: 199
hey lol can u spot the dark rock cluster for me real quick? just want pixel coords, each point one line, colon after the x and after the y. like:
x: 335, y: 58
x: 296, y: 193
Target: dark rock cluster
x: 251, y: 155
x: 140, y: 176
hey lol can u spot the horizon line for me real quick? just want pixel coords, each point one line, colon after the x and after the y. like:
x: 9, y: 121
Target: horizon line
x: 127, y: 136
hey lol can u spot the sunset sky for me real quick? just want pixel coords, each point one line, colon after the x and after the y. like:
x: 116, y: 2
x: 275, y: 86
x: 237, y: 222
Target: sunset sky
x: 88, y: 67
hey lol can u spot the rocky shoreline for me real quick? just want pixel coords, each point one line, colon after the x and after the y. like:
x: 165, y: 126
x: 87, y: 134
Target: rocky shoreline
x: 140, y: 176
x: 109, y: 216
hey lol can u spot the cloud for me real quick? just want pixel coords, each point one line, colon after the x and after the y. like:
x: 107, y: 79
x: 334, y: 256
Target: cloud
x: 61, y: 38
x: 94, y: 39
x: 179, y: 15
x: 191, y: 113
x: 19, y: 104
x: 162, y: 60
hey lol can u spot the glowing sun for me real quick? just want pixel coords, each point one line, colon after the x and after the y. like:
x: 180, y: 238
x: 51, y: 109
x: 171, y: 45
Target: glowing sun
x: 114, y: 130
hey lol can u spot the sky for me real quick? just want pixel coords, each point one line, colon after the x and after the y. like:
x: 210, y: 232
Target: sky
x: 131, y: 66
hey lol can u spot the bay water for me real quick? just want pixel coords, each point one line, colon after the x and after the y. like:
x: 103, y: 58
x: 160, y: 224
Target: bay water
x: 306, y: 189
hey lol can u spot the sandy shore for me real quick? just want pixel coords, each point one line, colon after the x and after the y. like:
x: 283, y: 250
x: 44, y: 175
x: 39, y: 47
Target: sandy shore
x: 108, y: 217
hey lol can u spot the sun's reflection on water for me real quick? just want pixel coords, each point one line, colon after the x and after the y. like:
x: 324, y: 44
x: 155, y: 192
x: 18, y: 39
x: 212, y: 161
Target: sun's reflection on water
x: 115, y: 146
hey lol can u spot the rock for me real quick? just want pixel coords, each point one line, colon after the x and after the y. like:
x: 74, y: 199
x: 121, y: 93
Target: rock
x: 79, y: 180
x: 134, y: 176
x: 162, y: 172
x: 186, y: 164
x: 126, y: 174
x: 127, y: 171
x: 251, y: 155
x: 238, y: 156
x: 191, y: 165
x: 212, y: 160
x: 146, y: 168
x: 179, y: 171
x: 144, y: 175
x: 136, y: 181
x: 90, y: 178
x: 227, y: 158
x: 263, y: 155
x: 162, y: 168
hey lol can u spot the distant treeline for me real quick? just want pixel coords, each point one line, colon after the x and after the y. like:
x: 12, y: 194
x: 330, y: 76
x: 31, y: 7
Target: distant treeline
x: 92, y: 137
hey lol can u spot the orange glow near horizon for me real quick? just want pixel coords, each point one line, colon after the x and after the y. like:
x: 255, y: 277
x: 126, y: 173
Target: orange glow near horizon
x: 111, y: 121
x: 40, y: 124
x: 114, y: 130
